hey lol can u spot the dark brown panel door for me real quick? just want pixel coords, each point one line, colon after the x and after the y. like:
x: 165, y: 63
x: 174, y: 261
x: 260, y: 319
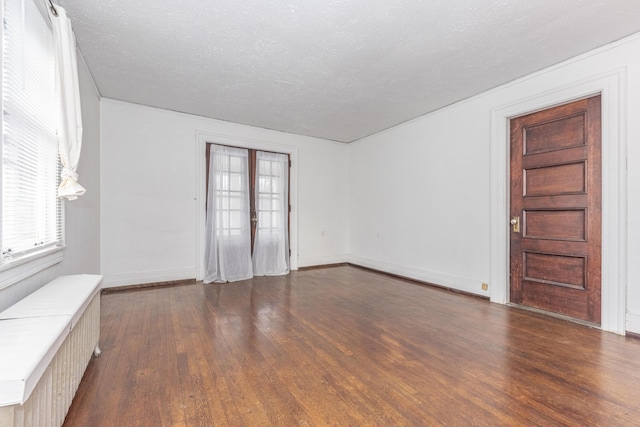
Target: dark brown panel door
x: 556, y: 193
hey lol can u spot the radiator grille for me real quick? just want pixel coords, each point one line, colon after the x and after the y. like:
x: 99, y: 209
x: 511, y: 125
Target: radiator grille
x: 50, y: 400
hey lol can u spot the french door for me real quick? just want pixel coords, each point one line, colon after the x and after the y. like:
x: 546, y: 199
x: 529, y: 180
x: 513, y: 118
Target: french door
x: 269, y: 192
x: 247, y: 213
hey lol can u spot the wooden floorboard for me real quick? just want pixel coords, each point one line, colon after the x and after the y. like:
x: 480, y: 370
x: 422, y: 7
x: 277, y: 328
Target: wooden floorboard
x: 345, y: 346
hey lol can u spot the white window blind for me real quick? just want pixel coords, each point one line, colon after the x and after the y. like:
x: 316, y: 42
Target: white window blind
x: 31, y: 210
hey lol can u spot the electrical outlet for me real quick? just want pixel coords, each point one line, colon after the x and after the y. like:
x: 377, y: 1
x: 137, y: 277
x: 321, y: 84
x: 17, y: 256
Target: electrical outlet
x: 485, y: 286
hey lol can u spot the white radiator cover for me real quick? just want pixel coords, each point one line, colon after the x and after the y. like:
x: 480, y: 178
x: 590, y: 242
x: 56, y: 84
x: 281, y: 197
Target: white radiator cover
x: 49, y: 400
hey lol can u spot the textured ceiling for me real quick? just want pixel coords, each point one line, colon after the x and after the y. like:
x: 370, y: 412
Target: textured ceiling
x: 335, y: 69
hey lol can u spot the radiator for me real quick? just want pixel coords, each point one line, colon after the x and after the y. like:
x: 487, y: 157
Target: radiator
x: 47, y: 404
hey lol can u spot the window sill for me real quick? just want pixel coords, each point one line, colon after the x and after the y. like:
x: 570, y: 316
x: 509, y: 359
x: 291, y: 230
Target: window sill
x: 17, y: 270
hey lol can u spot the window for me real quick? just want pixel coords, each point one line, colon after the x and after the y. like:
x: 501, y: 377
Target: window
x: 31, y: 215
x: 231, y: 191
x: 271, y: 208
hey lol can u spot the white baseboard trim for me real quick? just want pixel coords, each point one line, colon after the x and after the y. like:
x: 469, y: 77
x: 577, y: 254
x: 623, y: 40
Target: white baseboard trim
x: 142, y: 277
x: 461, y: 283
x: 465, y: 284
x: 321, y: 260
x: 633, y: 322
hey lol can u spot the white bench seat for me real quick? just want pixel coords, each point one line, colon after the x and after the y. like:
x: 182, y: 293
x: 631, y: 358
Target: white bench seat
x: 27, y: 346
x: 66, y: 295
x: 33, y: 329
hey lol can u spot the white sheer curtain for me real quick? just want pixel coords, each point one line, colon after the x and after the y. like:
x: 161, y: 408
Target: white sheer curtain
x: 68, y: 94
x: 271, y: 247
x: 228, y: 248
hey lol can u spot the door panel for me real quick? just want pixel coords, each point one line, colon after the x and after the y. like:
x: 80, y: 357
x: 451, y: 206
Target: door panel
x: 555, y: 180
x: 556, y: 224
x: 544, y: 268
x: 556, y: 196
x: 555, y: 135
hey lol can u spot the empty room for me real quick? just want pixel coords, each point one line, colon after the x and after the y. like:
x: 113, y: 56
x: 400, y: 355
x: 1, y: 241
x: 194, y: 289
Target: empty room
x: 282, y: 213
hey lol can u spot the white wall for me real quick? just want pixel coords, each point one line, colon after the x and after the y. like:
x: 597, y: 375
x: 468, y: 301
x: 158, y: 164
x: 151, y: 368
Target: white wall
x: 82, y: 216
x: 150, y: 198
x: 420, y: 193
x: 419, y: 203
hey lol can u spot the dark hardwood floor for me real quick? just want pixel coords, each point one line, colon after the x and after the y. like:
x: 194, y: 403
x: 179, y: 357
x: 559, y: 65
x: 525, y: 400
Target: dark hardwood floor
x: 348, y: 347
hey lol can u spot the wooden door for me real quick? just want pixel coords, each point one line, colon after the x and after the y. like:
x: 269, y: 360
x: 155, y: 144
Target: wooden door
x: 556, y: 192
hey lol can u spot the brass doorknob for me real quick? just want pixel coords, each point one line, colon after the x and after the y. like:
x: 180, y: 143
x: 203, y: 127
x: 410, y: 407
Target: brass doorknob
x: 515, y: 224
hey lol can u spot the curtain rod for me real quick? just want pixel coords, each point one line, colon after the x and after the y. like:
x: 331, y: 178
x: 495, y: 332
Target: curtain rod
x: 53, y: 8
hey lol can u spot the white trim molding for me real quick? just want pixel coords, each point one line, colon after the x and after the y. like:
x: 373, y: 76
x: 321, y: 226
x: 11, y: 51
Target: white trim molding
x: 12, y: 273
x: 460, y: 283
x: 202, y: 138
x: 612, y: 86
x: 142, y: 277
x: 313, y: 261
x: 633, y: 322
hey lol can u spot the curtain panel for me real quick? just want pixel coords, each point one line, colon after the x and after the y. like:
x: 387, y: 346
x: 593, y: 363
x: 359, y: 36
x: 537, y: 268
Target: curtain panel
x: 271, y: 247
x: 68, y: 95
x: 228, y: 230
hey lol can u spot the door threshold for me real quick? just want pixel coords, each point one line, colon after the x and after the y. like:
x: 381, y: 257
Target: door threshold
x: 556, y: 315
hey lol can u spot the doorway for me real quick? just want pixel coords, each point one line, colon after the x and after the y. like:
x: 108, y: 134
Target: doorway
x: 556, y: 210
x: 247, y: 213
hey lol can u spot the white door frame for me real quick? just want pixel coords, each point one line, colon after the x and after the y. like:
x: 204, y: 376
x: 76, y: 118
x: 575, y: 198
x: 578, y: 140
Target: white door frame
x: 612, y: 86
x: 202, y: 139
